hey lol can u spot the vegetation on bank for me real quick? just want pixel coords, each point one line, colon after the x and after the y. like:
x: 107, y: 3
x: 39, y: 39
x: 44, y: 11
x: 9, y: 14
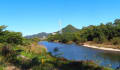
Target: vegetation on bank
x: 106, y: 34
x: 19, y: 53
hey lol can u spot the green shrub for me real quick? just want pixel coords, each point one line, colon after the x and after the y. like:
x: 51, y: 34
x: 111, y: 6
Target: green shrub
x: 116, y: 41
x: 96, y: 40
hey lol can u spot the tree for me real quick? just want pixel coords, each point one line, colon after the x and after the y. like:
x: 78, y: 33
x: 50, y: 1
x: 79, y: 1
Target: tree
x: 14, y: 37
x: 99, y: 34
x: 2, y: 28
x: 9, y: 36
x: 117, y: 21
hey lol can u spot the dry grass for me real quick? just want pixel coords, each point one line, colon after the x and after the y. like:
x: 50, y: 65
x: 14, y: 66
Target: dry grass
x: 38, y: 49
x: 35, y: 48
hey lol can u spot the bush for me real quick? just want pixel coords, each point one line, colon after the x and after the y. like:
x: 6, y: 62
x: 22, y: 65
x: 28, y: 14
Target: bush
x: 100, y: 40
x: 96, y: 40
x: 14, y: 37
x: 8, y: 53
x: 116, y: 41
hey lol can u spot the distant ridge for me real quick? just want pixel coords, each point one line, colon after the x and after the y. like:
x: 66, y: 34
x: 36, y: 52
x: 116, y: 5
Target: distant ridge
x: 39, y: 35
x: 68, y: 29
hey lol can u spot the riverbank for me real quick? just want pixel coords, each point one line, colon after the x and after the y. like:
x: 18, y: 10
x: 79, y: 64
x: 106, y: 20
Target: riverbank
x: 106, y: 47
x: 97, y: 46
x: 101, y: 48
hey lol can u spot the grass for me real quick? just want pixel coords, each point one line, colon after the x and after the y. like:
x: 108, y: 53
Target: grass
x: 1, y: 68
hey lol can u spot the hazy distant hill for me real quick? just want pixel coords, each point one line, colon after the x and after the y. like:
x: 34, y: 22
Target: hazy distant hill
x: 69, y: 29
x: 40, y: 35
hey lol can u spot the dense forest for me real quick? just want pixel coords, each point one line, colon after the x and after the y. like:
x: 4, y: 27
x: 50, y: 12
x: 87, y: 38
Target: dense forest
x: 19, y: 53
x: 108, y: 33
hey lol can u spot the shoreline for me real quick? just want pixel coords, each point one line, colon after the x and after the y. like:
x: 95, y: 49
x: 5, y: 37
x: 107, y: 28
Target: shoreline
x: 101, y: 48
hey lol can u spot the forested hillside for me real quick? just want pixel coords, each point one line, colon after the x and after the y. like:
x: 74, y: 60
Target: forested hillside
x: 108, y: 33
x: 69, y: 29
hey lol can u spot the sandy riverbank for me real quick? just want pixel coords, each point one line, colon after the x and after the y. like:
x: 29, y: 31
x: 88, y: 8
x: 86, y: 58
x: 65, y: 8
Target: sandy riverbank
x: 102, y: 48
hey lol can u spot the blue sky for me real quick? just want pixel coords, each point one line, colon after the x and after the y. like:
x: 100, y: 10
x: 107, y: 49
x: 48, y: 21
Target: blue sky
x: 35, y: 16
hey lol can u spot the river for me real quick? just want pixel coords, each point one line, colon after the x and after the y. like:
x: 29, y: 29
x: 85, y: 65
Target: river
x: 75, y: 52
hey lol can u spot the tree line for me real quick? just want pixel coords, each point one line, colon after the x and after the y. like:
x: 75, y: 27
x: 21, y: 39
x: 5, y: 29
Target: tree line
x: 109, y: 32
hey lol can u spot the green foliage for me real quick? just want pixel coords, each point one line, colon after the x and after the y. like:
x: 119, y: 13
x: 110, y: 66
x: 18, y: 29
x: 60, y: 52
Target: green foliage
x: 35, y: 39
x: 117, y: 22
x: 99, y: 34
x: 64, y: 38
x: 10, y: 37
x: 14, y: 37
x: 8, y: 53
x: 26, y: 42
x: 116, y: 41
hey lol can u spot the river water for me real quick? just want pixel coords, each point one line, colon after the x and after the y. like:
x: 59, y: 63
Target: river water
x: 75, y: 52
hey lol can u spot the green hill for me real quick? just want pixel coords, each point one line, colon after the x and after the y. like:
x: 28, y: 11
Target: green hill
x: 70, y: 29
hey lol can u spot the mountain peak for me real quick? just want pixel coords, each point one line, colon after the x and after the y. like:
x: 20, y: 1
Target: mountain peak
x: 69, y: 29
x: 70, y: 25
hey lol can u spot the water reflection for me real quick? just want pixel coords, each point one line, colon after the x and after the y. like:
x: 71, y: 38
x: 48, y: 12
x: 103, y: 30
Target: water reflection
x: 113, y: 58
